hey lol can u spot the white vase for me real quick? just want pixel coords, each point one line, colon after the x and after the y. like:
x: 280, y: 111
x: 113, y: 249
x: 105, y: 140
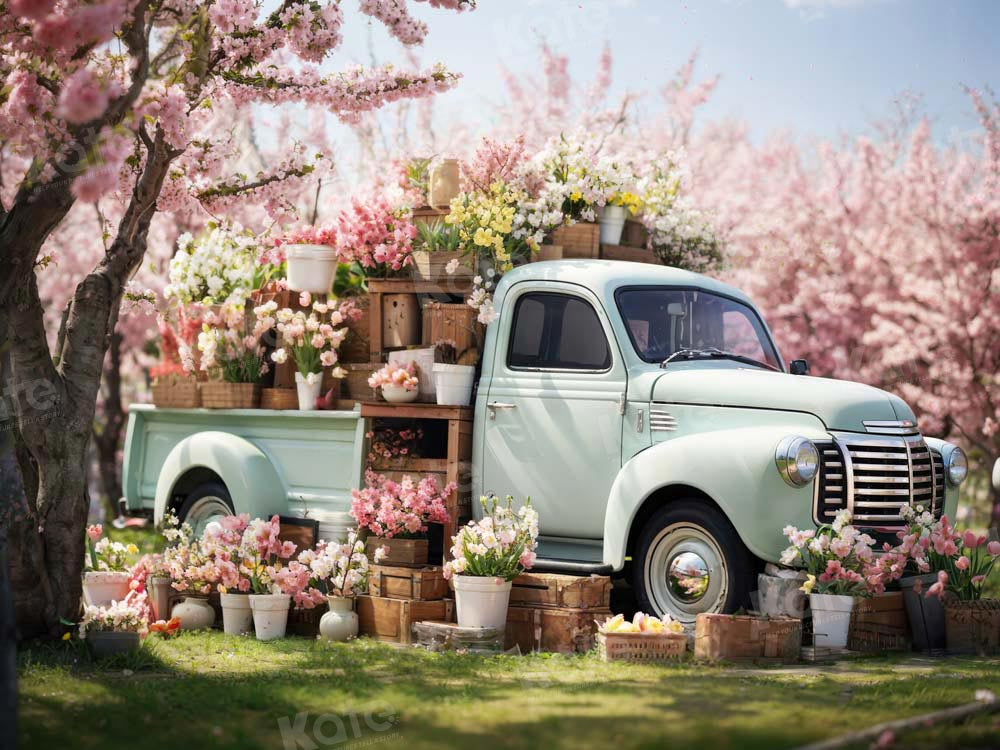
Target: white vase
x: 308, y: 392
x: 612, y: 223
x: 270, y: 615
x: 158, y: 588
x: 481, y: 601
x: 340, y: 622
x: 311, y: 268
x: 831, y: 619
x: 194, y: 612
x: 101, y: 587
x: 397, y: 394
x: 453, y: 384
x: 237, y: 617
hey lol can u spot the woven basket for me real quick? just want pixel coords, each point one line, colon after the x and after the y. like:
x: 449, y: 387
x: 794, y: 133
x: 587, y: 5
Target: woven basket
x: 973, y: 627
x: 177, y: 394
x: 580, y: 240
x: 218, y: 394
x: 279, y: 398
x: 641, y: 646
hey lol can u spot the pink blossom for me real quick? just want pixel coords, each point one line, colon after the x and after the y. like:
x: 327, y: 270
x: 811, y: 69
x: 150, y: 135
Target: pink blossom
x: 993, y: 548
x: 94, y: 532
x: 971, y: 541
x: 82, y: 97
x: 938, y: 589
x: 962, y: 563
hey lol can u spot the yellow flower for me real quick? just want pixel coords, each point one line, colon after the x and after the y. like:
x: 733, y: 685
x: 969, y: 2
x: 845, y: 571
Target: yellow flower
x: 807, y: 587
x: 66, y: 636
x: 575, y: 195
x: 132, y: 549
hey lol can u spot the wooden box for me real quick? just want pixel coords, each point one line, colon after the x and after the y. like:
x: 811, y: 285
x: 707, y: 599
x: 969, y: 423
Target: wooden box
x: 879, y: 623
x: 399, y: 582
x: 279, y: 398
x: 432, y: 266
x: 178, y: 393
x: 634, y: 234
x: 355, y: 384
x: 555, y: 590
x: 566, y: 631
x: 407, y: 552
x: 580, y: 240
x: 392, y: 619
x: 453, y: 322
x: 429, y: 214
x: 631, y: 254
x: 548, y: 252
x: 642, y: 647
x: 747, y: 638
x: 356, y: 347
x: 218, y: 394
x: 448, y: 636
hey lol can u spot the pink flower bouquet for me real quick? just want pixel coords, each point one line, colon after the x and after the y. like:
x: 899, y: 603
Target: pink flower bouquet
x: 834, y: 557
x: 400, y: 509
x: 499, y: 545
x: 393, y: 374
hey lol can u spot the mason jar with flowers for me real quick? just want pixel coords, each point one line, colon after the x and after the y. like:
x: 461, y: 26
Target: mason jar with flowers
x: 263, y: 556
x: 107, y: 574
x: 398, y: 515
x: 486, y: 556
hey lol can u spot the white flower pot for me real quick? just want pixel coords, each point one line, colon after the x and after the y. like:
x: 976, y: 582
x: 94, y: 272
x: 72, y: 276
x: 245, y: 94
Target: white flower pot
x: 194, y: 612
x: 831, y: 619
x: 237, y: 617
x: 397, y: 394
x: 612, y: 223
x: 340, y: 622
x: 270, y: 615
x: 311, y: 268
x: 159, y: 590
x: 101, y: 587
x: 481, y: 601
x: 453, y: 384
x: 308, y: 392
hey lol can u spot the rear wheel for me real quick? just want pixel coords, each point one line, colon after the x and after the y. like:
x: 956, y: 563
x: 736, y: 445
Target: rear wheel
x: 205, y: 503
x: 690, y: 560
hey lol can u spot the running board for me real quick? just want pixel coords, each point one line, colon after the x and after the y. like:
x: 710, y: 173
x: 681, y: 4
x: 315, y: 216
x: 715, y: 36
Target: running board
x: 572, y: 567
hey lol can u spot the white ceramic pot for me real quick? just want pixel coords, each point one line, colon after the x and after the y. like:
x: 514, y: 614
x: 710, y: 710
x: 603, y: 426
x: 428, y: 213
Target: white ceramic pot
x: 311, y: 268
x: 340, y: 622
x: 308, y: 392
x: 270, y: 615
x: 159, y: 590
x: 194, y: 612
x: 481, y: 601
x: 453, y: 384
x: 101, y: 587
x: 612, y: 223
x: 237, y: 617
x: 831, y: 619
x: 397, y: 394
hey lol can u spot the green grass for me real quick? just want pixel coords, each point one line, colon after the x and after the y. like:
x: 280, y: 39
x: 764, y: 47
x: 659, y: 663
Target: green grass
x: 203, y: 690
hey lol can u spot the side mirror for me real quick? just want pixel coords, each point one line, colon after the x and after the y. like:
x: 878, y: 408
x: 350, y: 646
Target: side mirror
x: 799, y: 367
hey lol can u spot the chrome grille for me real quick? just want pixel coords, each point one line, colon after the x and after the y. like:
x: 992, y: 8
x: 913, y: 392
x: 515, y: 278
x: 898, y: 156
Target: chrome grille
x: 873, y: 474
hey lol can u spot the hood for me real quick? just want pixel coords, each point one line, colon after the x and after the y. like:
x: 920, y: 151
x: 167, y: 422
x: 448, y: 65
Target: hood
x: 839, y: 404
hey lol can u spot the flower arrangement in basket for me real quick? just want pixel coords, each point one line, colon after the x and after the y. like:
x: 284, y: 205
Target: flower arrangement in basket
x: 398, y: 383
x: 643, y: 638
x: 486, y: 556
x: 233, y: 355
x: 173, y: 386
x: 376, y: 235
x: 116, y: 627
x: 400, y: 511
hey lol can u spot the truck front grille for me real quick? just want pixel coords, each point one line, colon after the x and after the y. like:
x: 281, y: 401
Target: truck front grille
x: 872, y: 475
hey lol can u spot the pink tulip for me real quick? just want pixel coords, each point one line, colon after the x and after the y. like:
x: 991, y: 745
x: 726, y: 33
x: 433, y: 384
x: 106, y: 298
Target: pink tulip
x: 971, y: 541
x: 94, y: 532
x: 993, y: 548
x: 962, y: 563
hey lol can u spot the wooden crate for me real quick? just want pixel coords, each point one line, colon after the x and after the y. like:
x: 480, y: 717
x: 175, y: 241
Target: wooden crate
x: 392, y: 619
x: 580, y: 240
x: 398, y: 582
x: 565, y: 631
x: 747, y: 638
x: 631, y: 254
x: 634, y: 234
x: 642, y: 647
x: 217, y: 394
x: 279, y: 398
x: 453, y: 322
x: 406, y: 552
x: 448, y: 636
x: 305, y: 622
x: 355, y: 384
x: 356, y: 347
x: 429, y: 266
x: 378, y: 289
x: 429, y: 214
x: 177, y: 393
x: 879, y: 623
x: 548, y: 252
x: 561, y: 591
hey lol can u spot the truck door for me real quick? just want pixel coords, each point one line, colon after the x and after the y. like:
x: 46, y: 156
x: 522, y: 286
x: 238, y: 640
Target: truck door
x: 553, y: 421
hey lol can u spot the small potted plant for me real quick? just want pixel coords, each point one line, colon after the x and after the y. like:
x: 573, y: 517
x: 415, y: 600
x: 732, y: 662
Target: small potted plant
x: 311, y: 256
x: 439, y: 252
x: 621, y: 204
x: 107, y: 576
x: 399, y: 383
x: 453, y: 382
x: 221, y: 540
x: 833, y: 557
x: 486, y: 556
x: 263, y: 557
x: 231, y: 351
x: 115, y: 628
x: 397, y: 514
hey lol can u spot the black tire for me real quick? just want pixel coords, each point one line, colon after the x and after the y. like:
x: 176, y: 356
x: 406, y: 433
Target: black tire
x: 691, y: 526
x: 200, y: 499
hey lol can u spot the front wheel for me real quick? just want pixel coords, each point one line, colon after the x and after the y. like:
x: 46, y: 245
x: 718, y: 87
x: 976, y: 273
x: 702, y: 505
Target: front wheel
x: 206, y: 503
x: 690, y: 560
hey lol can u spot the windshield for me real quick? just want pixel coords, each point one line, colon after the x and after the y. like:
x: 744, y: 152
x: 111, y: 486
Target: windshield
x: 663, y: 320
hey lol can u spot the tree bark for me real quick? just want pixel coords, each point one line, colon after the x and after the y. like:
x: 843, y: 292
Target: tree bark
x: 10, y: 484
x: 108, y: 428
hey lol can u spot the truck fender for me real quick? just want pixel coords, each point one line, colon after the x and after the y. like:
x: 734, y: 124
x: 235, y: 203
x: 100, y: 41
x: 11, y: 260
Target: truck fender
x: 245, y: 469
x: 735, y: 468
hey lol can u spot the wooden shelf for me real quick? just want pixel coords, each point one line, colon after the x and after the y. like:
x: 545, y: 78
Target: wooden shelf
x: 415, y: 410
x: 632, y: 254
x: 451, y: 285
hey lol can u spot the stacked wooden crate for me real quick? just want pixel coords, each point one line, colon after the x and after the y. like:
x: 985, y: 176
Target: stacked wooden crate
x: 553, y: 612
x: 398, y: 597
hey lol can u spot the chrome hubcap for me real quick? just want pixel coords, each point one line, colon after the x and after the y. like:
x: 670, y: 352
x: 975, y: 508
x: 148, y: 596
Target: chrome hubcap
x: 206, y: 510
x: 685, y: 572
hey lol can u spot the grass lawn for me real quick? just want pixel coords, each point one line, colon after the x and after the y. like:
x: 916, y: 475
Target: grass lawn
x: 202, y: 690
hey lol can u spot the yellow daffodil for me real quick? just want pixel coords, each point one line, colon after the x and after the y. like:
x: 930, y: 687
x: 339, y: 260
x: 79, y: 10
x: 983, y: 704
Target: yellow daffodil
x: 132, y: 549
x: 807, y: 587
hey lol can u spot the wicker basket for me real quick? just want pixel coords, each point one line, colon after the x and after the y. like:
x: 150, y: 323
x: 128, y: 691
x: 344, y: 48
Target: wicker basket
x: 973, y: 627
x: 218, y: 394
x: 177, y: 393
x: 641, y: 646
x: 279, y: 398
x: 580, y: 240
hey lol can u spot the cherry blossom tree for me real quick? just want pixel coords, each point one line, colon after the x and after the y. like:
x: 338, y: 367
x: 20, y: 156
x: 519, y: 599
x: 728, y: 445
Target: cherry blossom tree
x: 129, y: 102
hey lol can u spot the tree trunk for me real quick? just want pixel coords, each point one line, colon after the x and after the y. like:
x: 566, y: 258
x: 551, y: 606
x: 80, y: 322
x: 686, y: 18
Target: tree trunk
x: 108, y: 429
x: 10, y: 484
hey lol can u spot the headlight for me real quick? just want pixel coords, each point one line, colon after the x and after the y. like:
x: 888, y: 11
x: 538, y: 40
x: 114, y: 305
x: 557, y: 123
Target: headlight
x: 797, y: 460
x: 957, y: 466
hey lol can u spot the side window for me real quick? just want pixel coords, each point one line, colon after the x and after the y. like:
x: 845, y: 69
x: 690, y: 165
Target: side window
x: 557, y: 331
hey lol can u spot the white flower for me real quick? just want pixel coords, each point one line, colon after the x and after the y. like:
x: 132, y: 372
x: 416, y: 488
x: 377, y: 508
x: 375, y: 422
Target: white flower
x: 985, y: 696
x: 280, y: 356
x: 452, y: 266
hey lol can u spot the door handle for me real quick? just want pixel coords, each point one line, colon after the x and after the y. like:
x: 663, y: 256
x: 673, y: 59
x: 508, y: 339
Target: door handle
x: 494, y: 405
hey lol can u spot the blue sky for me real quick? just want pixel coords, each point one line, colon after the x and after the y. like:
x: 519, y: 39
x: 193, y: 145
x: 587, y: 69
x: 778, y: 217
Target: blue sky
x: 815, y: 67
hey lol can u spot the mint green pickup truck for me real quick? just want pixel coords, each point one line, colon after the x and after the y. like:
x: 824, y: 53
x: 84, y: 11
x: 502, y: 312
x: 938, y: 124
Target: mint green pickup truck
x: 645, y: 410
